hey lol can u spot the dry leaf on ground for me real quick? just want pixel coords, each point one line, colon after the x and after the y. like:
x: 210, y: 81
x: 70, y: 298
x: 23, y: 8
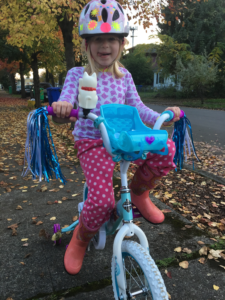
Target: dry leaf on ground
x: 178, y: 249
x: 203, y: 250
x: 184, y: 264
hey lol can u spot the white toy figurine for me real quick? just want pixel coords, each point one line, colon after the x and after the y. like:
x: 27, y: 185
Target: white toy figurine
x: 87, y: 91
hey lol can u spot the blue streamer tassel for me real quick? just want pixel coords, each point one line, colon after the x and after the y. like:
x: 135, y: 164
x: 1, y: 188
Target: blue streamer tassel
x: 40, y: 153
x: 182, y: 139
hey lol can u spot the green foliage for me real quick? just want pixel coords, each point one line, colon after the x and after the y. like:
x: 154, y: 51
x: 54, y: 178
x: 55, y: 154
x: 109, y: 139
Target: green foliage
x: 197, y: 75
x: 200, y: 24
x: 139, y: 67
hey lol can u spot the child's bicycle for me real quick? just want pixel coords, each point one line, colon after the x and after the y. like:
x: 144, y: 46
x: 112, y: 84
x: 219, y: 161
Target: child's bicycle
x: 134, y: 272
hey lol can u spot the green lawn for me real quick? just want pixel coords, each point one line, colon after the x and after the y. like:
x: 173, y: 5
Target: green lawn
x: 192, y: 102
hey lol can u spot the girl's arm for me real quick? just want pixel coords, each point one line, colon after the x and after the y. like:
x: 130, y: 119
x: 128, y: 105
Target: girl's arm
x: 68, y: 96
x: 147, y: 115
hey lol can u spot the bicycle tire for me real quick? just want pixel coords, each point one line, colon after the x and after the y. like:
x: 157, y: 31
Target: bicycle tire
x: 151, y: 279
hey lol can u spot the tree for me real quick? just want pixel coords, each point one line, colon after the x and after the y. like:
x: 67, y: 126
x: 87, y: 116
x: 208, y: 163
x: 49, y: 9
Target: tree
x: 12, y: 54
x: 198, y: 75
x: 11, y: 69
x: 29, y: 28
x: 139, y: 67
x: 200, y: 24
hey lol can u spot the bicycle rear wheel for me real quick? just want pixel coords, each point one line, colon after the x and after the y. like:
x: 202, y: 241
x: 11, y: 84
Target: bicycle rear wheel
x: 143, y: 279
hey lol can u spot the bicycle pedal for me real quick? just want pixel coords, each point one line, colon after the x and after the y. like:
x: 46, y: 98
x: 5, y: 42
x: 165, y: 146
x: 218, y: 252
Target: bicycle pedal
x: 136, y: 212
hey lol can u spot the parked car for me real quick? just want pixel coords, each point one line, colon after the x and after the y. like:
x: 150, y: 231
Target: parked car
x: 28, y: 89
x: 43, y: 85
x: 18, y: 88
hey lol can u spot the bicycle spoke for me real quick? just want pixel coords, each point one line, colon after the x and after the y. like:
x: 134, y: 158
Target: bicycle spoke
x: 138, y: 282
x: 137, y: 274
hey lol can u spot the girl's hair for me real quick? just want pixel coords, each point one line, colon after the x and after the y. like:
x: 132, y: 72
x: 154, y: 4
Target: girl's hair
x: 91, y: 67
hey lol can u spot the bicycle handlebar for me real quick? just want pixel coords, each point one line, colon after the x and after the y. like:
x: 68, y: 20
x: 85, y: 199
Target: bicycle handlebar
x: 165, y: 116
x: 73, y: 113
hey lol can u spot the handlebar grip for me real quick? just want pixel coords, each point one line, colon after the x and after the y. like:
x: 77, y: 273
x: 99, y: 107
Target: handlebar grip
x: 171, y: 113
x: 73, y: 113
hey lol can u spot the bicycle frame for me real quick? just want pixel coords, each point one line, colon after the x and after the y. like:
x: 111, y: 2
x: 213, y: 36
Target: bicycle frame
x: 124, y: 207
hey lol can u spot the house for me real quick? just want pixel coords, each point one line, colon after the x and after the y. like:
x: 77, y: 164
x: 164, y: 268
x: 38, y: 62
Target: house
x: 159, y: 81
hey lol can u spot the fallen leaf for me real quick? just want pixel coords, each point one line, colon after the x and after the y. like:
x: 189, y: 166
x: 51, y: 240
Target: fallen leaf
x: 52, y: 218
x: 202, y: 260
x: 39, y: 223
x: 201, y: 243
x: 19, y: 207
x: 184, y: 264
x: 222, y: 266
x: 49, y: 203
x: 44, y: 233
x: 189, y: 226
x: 186, y: 250
x: 25, y: 245
x: 44, y: 188
x: 75, y: 218
x: 27, y: 255
x: 13, y: 226
x: 64, y: 198
x: 215, y: 287
x: 54, y: 190
x: 203, y: 250
x: 178, y: 249
x: 22, y: 263
x: 215, y: 253
x: 24, y: 240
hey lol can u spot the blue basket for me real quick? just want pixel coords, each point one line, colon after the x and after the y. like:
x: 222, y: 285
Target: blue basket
x: 53, y: 94
x: 128, y: 134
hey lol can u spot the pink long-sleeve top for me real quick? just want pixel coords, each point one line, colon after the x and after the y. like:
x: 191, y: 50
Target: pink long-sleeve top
x: 109, y: 90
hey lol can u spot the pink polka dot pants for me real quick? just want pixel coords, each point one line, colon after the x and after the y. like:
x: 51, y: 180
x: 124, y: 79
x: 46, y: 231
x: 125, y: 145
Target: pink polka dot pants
x: 98, y: 168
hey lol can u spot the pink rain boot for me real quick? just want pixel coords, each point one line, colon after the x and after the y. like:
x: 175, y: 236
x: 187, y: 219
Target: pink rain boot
x: 75, y: 252
x: 144, y: 180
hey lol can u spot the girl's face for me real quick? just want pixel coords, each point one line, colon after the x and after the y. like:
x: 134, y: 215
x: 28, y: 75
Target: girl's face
x: 104, y: 49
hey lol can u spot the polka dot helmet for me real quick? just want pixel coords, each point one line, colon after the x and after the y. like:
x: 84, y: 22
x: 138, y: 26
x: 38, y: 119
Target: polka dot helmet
x: 101, y: 17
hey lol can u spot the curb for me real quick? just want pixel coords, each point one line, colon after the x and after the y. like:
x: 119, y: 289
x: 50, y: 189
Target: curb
x: 209, y: 175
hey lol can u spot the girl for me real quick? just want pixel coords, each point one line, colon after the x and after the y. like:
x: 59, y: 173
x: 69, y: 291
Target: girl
x: 103, y: 27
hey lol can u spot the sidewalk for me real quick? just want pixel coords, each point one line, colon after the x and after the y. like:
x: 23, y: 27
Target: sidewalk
x: 32, y: 267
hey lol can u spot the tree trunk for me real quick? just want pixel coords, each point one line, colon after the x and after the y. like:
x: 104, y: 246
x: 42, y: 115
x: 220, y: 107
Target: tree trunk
x: 60, y: 78
x: 67, y: 28
x: 23, y: 94
x: 47, y: 75
x: 34, y: 66
x: 13, y: 82
x: 51, y: 77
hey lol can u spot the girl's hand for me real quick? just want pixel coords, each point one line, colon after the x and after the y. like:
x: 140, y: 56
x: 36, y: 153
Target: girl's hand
x: 176, y: 111
x: 62, y: 109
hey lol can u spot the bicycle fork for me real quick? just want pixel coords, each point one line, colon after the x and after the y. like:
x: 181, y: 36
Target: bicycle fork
x: 128, y: 229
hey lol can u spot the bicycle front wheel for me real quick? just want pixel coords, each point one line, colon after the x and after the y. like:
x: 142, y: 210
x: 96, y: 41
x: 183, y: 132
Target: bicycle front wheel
x: 143, y: 279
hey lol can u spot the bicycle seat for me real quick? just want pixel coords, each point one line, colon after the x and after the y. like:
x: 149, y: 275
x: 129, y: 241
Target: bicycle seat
x: 128, y: 134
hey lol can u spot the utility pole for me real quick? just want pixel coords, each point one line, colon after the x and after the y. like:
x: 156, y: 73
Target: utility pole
x: 133, y: 36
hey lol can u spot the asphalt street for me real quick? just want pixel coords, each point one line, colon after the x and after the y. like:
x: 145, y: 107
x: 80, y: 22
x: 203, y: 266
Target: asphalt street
x: 208, y: 125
